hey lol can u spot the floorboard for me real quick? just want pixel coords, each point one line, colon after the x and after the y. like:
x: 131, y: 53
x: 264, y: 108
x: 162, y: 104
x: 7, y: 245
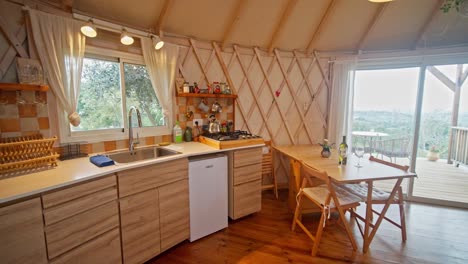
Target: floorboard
x: 435, y: 235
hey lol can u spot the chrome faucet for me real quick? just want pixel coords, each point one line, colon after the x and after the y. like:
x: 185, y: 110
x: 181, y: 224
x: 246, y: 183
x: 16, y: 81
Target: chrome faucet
x: 131, y: 141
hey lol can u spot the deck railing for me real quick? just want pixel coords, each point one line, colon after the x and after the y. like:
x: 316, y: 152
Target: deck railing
x: 459, y: 146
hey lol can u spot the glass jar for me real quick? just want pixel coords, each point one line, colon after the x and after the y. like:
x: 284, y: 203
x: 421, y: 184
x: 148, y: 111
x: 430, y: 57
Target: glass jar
x: 186, y: 87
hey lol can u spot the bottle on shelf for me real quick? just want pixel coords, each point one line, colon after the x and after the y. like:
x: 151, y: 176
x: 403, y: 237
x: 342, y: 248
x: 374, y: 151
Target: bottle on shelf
x: 343, y: 152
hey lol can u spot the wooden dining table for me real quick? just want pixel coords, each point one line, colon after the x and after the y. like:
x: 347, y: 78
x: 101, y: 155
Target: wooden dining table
x: 342, y: 174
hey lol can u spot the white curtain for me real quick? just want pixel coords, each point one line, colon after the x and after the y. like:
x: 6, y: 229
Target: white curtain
x: 161, y: 66
x: 341, y: 105
x: 60, y: 47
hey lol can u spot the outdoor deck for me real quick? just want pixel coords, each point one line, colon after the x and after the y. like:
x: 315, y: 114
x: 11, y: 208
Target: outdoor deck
x: 437, y: 180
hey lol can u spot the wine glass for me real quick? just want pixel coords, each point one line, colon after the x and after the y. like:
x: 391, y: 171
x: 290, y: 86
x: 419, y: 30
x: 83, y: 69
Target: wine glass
x: 359, y: 152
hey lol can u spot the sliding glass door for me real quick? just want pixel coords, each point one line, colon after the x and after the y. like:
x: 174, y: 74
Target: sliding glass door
x: 441, y: 180
x: 386, y: 114
x: 383, y: 118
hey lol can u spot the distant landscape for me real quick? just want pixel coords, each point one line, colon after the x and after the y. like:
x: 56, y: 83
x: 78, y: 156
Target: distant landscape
x: 435, y: 127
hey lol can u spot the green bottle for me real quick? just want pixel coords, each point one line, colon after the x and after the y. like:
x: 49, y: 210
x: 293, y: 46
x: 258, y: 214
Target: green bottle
x: 343, y: 152
x: 177, y: 133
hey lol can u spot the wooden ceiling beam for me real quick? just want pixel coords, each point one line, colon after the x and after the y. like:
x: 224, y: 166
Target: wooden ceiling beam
x: 280, y: 26
x: 163, y: 17
x: 67, y: 5
x: 435, y: 11
x: 328, y: 12
x: 233, y: 21
x: 371, y: 26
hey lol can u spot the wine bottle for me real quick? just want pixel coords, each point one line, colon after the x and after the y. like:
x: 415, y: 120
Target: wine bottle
x: 343, y: 152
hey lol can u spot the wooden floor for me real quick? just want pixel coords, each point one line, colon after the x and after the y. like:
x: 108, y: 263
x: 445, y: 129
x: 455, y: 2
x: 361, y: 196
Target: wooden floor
x: 435, y: 235
x: 436, y: 180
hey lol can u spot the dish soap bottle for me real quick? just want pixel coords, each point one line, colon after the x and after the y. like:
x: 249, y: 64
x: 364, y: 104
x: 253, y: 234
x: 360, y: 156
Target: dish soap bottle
x: 177, y: 133
x: 343, y: 154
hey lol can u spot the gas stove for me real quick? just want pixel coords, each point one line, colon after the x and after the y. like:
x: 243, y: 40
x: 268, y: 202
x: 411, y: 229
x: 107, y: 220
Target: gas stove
x: 225, y: 140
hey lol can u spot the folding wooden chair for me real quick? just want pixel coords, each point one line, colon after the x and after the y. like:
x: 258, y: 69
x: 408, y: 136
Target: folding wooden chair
x: 328, y: 198
x: 381, y: 197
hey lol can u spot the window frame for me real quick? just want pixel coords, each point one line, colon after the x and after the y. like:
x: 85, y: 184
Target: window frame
x: 91, y: 136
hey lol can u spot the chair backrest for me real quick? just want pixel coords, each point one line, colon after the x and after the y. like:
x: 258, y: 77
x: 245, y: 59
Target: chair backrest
x: 391, y: 164
x: 311, y: 175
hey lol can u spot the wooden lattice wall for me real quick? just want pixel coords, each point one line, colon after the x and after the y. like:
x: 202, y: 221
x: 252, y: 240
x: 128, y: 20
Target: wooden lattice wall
x: 281, y: 96
x: 296, y: 116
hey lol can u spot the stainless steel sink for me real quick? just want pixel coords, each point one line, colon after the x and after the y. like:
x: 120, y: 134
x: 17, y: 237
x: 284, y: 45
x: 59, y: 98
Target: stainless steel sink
x: 141, y: 154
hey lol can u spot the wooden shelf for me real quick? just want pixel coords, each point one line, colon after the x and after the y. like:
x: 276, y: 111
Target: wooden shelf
x: 23, y: 87
x: 206, y: 95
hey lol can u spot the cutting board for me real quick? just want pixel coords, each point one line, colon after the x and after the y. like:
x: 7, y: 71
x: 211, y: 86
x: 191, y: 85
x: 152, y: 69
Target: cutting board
x: 230, y: 143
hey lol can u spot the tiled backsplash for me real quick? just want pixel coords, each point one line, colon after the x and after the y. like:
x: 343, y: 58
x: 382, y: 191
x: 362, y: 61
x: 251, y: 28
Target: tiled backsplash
x: 186, y: 104
x: 28, y: 119
x: 23, y: 119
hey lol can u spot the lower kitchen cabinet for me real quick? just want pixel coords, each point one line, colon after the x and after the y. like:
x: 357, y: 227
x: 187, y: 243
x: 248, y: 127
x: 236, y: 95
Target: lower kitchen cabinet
x: 247, y: 199
x: 174, y: 213
x: 139, y: 217
x: 81, y: 222
x: 245, y: 187
x: 77, y: 230
x: 22, y: 233
x: 157, y: 218
x: 105, y: 249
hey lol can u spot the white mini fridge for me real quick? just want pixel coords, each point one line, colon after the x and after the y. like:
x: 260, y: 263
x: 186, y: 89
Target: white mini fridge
x: 208, y: 190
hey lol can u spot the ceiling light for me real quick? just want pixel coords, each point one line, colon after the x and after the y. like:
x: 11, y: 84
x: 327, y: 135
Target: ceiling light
x: 380, y: 1
x: 89, y: 29
x: 125, y: 38
x: 157, y: 42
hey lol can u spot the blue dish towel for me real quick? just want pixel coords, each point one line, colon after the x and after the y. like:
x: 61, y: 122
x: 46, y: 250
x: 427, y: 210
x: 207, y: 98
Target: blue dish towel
x: 101, y: 160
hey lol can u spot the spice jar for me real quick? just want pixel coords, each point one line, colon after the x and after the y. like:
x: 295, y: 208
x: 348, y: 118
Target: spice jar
x: 186, y: 87
x: 223, y: 87
x: 227, y: 90
x: 216, y: 88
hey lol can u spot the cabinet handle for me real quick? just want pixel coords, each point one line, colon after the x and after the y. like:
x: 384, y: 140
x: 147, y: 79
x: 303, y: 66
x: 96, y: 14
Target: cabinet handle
x: 209, y: 166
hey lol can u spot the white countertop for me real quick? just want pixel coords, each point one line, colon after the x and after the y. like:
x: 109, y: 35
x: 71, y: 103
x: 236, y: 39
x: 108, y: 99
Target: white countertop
x: 77, y: 170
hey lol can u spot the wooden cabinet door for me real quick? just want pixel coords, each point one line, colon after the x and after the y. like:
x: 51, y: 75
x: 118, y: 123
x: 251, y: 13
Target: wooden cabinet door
x: 105, y: 249
x: 22, y: 233
x: 139, y: 216
x: 247, y: 173
x: 79, y: 229
x: 247, y: 199
x: 149, y: 177
x: 247, y: 157
x: 174, y: 211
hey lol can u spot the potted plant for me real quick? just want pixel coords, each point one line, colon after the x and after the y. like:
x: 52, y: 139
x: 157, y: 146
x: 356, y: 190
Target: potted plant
x: 326, y: 152
x: 433, y: 154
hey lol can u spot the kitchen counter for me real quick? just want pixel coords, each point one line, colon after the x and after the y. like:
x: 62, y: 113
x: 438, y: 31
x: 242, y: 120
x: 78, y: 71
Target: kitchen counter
x: 77, y: 170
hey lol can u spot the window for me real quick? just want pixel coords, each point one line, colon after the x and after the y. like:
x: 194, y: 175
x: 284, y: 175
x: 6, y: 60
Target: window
x: 111, y: 83
x: 100, y: 99
x: 140, y: 93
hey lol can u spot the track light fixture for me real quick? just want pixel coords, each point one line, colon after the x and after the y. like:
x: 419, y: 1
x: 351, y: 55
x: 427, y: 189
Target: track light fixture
x: 157, y: 42
x: 125, y: 38
x: 89, y: 29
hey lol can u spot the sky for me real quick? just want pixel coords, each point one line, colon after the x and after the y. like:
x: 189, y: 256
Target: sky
x: 396, y: 90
